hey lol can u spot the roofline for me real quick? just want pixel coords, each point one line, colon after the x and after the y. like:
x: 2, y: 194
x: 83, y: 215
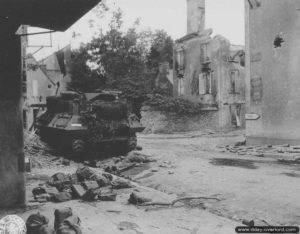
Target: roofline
x: 42, y: 70
x: 54, y: 52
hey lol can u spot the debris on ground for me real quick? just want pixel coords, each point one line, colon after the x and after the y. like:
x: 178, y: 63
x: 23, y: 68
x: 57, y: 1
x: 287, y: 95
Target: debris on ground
x: 139, y: 148
x: 85, y: 184
x: 121, y: 184
x: 138, y: 158
x: 135, y: 198
x: 262, y: 150
x: 138, y: 198
x: 117, y: 166
x: 107, y: 195
x: 289, y: 161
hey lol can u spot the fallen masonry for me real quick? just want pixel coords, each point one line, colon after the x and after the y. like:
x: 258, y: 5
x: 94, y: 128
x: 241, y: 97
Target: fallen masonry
x: 286, y: 152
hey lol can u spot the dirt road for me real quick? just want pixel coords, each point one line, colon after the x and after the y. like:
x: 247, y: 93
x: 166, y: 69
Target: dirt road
x: 190, y: 164
x: 251, y: 187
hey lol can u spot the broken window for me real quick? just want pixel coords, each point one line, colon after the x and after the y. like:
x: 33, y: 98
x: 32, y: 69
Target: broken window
x: 234, y: 76
x: 180, y: 86
x: 205, y: 83
x: 24, y: 119
x: 278, y: 40
x: 235, y: 112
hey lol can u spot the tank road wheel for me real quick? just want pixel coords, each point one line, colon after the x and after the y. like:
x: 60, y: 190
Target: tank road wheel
x: 78, y: 146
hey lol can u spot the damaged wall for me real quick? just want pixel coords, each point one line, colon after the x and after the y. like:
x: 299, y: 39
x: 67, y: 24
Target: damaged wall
x: 272, y: 61
x: 57, y: 66
x: 208, y: 70
x: 212, y: 75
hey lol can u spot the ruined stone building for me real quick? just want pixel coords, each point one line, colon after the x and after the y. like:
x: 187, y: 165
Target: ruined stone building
x: 43, y: 78
x: 272, y: 71
x: 57, y: 66
x: 210, y: 71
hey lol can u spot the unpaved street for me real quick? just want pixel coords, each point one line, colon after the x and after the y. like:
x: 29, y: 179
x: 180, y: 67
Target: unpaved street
x: 190, y: 164
x: 251, y: 187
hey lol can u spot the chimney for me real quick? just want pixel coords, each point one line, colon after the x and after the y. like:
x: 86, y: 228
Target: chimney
x: 195, y: 16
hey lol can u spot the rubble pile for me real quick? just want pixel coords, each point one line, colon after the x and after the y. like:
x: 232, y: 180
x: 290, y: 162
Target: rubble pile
x: 85, y: 184
x: 33, y: 145
x: 38, y: 152
x: 264, y: 150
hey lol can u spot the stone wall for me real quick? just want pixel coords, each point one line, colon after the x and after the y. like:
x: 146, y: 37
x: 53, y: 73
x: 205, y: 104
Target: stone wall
x: 272, y: 62
x: 163, y: 122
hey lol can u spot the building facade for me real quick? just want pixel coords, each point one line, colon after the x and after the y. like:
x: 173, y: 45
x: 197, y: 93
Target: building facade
x: 47, y: 77
x: 38, y: 86
x: 209, y: 71
x: 272, y: 62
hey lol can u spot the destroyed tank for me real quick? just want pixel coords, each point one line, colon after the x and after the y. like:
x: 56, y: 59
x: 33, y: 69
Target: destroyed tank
x: 89, y: 124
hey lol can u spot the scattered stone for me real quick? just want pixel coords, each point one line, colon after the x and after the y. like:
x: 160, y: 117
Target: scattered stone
x: 240, y: 143
x: 139, y: 198
x: 171, y: 172
x: 121, y: 184
x: 138, y: 158
x: 139, y: 148
x: 38, y: 191
x: 91, y: 195
x: 106, y: 195
x: 90, y: 184
x: 258, y: 155
x: 103, y: 181
x: 107, y: 176
x: 85, y: 173
x: 116, y: 160
x: 62, y: 197
x: 249, y: 223
x: 66, y: 162
x: 78, y: 191
x: 43, y: 198
x: 154, y: 170
x: 60, y: 180
x: 30, y: 176
x: 74, y: 178
x: 111, y: 169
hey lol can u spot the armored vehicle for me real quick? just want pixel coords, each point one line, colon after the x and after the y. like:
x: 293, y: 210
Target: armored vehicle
x: 89, y: 124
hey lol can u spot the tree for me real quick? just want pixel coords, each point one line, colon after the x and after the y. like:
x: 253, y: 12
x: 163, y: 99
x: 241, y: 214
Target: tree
x: 84, y: 78
x: 124, y: 60
x: 161, y: 49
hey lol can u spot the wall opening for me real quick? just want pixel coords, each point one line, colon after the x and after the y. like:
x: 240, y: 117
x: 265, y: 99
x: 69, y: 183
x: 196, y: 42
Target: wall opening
x: 278, y: 40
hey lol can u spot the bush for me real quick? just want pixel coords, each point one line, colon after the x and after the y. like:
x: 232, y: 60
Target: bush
x: 175, y: 105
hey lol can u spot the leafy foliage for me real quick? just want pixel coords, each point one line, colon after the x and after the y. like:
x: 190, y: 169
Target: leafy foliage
x: 128, y: 61
x: 175, y: 105
x: 123, y: 60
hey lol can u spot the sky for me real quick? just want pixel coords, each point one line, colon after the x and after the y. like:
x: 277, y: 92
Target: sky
x: 225, y: 17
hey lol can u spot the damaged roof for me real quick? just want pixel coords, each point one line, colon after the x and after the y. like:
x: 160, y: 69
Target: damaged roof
x: 52, y: 14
